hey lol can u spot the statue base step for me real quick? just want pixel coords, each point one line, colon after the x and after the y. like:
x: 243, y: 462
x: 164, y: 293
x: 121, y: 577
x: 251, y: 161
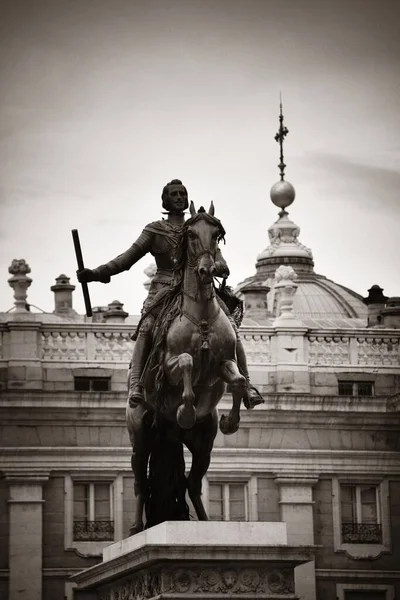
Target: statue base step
x: 192, y: 559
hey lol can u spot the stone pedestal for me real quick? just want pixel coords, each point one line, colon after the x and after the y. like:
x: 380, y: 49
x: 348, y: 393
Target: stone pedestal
x: 198, y: 559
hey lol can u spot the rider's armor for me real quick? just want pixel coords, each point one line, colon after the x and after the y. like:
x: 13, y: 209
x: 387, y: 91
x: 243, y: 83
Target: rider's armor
x: 160, y: 238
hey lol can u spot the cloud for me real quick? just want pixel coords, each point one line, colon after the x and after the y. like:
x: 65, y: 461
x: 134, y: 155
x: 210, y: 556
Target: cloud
x: 370, y: 186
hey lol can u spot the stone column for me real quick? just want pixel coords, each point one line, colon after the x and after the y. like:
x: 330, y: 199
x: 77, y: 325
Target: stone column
x: 296, y: 508
x: 25, y: 545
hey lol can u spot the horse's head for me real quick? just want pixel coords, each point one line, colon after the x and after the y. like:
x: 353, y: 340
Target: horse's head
x: 203, y: 231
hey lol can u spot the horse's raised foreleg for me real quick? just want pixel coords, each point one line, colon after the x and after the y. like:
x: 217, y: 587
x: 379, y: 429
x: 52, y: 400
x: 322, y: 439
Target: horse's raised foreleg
x: 180, y: 368
x: 139, y: 434
x: 200, y: 443
x: 230, y: 374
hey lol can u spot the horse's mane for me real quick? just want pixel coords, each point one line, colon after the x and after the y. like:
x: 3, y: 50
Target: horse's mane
x: 170, y: 302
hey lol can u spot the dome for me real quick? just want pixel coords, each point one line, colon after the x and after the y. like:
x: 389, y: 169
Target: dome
x: 318, y: 302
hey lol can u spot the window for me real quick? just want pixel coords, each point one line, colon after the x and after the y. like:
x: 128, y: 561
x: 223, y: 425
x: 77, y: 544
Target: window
x: 228, y: 502
x: 92, y: 384
x: 360, y: 514
x: 356, y: 388
x: 365, y: 595
x: 93, y: 510
x: 93, y: 515
x: 364, y: 591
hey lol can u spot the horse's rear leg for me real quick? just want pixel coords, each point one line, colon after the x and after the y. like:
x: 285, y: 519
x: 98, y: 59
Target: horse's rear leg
x: 200, y: 442
x: 180, y: 368
x: 230, y: 374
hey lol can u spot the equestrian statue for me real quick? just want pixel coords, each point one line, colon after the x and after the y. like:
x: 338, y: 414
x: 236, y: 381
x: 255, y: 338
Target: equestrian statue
x: 187, y: 350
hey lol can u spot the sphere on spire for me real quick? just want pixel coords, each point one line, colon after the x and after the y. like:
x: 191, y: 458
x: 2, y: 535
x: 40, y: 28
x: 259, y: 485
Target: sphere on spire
x: 282, y: 194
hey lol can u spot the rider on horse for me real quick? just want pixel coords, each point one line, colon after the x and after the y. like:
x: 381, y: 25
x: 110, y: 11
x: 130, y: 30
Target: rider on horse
x: 160, y: 238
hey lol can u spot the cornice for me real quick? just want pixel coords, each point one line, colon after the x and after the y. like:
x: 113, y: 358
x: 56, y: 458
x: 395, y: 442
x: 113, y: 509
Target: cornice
x: 278, y: 462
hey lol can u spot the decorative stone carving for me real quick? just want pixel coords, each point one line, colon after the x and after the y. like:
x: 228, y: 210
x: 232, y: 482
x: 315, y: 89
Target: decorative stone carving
x: 64, y: 345
x: 19, y: 266
x: 226, y: 581
x: 378, y: 351
x: 257, y: 348
x: 283, y: 235
x: 140, y: 587
x: 20, y: 283
x: 329, y: 350
x: 221, y: 581
x: 285, y: 288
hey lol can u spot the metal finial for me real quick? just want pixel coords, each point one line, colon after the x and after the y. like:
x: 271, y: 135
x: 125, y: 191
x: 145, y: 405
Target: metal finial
x: 279, y: 137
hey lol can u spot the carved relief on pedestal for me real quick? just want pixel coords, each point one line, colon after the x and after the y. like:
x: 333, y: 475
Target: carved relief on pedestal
x: 199, y: 581
x: 329, y: 350
x: 140, y: 587
x: 378, y: 351
x: 63, y: 345
x: 257, y: 348
x: 226, y: 581
x: 110, y: 346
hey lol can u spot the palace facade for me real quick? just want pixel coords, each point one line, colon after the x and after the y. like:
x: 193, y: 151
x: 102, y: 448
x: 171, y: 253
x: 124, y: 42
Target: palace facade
x: 321, y: 454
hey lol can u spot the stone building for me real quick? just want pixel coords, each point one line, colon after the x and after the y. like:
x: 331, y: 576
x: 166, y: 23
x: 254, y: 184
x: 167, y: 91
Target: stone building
x: 322, y: 453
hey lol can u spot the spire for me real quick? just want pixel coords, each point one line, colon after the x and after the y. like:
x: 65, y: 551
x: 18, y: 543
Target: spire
x: 279, y: 137
x: 282, y: 193
x: 284, y: 247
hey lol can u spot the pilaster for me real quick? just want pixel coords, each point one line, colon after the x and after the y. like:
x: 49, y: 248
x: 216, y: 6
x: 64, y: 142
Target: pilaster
x: 292, y: 371
x: 26, y: 535
x: 296, y: 510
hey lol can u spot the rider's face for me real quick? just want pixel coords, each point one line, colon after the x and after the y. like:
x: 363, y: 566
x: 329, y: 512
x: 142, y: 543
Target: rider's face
x: 177, y: 198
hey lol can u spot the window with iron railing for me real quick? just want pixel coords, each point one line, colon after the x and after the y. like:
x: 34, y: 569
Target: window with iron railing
x: 356, y: 388
x: 361, y: 518
x: 228, y: 501
x: 93, y: 510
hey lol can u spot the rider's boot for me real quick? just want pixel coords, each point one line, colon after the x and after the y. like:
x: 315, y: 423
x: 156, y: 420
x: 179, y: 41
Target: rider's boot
x: 252, y: 397
x: 140, y: 355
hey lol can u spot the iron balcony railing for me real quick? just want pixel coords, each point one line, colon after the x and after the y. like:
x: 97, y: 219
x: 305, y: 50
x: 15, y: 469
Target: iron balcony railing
x: 93, y: 531
x: 361, y: 533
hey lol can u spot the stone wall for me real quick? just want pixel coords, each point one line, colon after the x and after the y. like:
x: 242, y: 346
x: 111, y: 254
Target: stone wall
x: 268, y: 499
x: 4, y: 528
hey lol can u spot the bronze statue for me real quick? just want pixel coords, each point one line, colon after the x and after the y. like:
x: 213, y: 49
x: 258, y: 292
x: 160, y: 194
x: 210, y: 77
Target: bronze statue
x: 186, y: 349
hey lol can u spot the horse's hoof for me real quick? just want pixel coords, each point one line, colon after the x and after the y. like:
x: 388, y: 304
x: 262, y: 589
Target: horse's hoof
x: 227, y: 425
x: 186, y: 416
x: 135, y: 529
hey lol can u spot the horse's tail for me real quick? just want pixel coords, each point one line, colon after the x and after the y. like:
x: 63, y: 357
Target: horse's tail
x: 166, y: 499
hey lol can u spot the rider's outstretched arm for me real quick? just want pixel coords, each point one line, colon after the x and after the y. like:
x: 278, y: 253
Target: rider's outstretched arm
x: 124, y: 261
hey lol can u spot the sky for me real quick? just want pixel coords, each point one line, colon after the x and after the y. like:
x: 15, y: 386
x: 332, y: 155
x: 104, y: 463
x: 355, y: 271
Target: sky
x: 102, y: 103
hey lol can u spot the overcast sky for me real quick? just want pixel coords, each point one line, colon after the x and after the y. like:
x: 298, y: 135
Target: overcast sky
x: 102, y: 102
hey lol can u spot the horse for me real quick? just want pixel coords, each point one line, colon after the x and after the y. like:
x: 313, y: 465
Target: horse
x: 198, y: 360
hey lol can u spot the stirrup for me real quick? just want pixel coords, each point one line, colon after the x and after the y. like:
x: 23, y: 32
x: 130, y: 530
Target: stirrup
x: 252, y: 397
